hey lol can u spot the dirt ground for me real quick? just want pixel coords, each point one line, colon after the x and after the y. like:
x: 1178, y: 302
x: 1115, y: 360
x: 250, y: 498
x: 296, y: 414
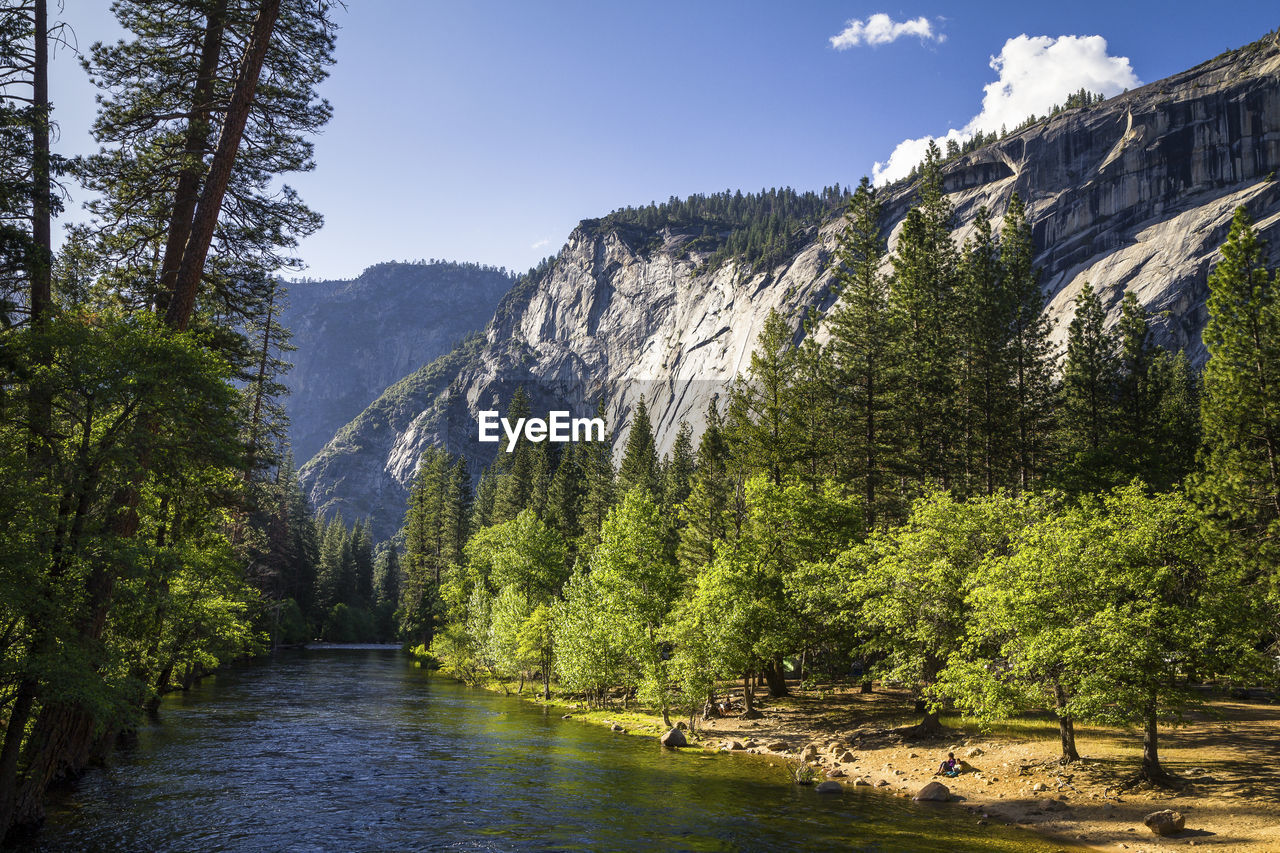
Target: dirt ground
x: 1229, y: 755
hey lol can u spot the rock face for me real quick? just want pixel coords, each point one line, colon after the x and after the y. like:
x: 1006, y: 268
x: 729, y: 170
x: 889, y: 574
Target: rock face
x: 354, y: 338
x: 1133, y: 194
x: 1166, y: 822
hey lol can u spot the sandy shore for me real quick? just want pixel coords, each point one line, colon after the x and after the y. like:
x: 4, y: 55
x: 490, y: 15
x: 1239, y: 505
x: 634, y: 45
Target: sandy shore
x: 1231, y: 757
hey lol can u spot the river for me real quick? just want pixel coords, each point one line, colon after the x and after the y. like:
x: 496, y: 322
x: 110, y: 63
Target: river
x: 361, y: 750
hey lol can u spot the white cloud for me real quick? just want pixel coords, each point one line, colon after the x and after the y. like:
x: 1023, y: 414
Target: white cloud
x: 881, y: 29
x: 541, y: 244
x: 1034, y: 74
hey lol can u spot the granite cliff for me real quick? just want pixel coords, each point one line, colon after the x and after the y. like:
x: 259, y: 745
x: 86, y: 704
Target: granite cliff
x: 354, y: 338
x: 1135, y: 193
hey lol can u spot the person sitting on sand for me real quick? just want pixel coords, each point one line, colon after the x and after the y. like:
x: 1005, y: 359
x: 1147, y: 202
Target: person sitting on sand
x: 950, y: 767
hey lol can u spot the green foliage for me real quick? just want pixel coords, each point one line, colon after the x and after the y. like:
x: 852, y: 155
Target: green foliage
x: 638, y: 582
x: 759, y: 230
x: 1241, y: 404
x: 639, y: 468
x: 912, y: 582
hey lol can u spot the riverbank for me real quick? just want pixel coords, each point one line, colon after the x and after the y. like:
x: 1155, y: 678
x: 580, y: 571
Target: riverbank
x: 1230, y: 755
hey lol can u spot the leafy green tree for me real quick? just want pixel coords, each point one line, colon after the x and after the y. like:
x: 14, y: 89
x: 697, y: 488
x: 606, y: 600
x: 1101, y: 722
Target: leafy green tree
x: 590, y: 657
x: 912, y: 584
x: 1112, y: 606
x: 638, y: 583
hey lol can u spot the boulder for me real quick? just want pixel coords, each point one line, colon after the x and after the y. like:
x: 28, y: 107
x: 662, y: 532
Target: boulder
x: 845, y: 757
x: 617, y: 728
x: 974, y: 753
x: 934, y: 792
x: 835, y: 773
x: 674, y: 738
x: 1039, y: 787
x: 862, y: 783
x: 829, y: 788
x: 1167, y: 822
x: 776, y: 746
x: 732, y: 745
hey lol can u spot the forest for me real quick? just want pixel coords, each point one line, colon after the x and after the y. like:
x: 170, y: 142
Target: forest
x: 927, y: 494
x: 143, y: 472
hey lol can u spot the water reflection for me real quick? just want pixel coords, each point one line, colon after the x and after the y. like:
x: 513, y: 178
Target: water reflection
x: 354, y: 750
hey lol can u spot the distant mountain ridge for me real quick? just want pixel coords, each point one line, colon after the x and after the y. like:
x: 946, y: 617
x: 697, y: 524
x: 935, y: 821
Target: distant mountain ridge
x: 356, y: 337
x: 1135, y: 193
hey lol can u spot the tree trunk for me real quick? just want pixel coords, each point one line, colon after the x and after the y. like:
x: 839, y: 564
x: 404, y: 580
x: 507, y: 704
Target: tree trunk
x: 1066, y: 726
x: 776, y: 676
x: 931, y: 725
x: 209, y: 207
x: 1151, y: 769
x: 15, y: 728
x: 58, y: 750
x: 199, y: 128
x: 748, y: 697
x: 866, y: 687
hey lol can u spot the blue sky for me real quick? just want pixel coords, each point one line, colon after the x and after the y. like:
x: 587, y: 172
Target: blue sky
x: 483, y: 131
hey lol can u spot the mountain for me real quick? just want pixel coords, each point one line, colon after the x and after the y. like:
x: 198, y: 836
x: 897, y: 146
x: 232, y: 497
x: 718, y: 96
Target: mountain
x: 356, y: 337
x: 1135, y: 193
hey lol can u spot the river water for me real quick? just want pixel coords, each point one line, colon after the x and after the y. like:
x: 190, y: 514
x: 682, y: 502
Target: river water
x: 360, y: 750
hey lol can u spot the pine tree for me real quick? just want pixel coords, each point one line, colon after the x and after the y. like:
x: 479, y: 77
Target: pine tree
x: 362, y: 565
x: 597, y: 469
x: 764, y: 415
x: 457, y: 512
x: 515, y: 469
x: 565, y: 495
x: 330, y: 582
x: 482, y: 511
x: 1033, y: 386
x: 864, y: 379
x: 1088, y: 413
x: 1241, y: 403
x: 705, y: 512
x: 923, y: 291
x: 988, y: 371
x: 639, y: 468
x: 677, y: 473
x: 540, y: 484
